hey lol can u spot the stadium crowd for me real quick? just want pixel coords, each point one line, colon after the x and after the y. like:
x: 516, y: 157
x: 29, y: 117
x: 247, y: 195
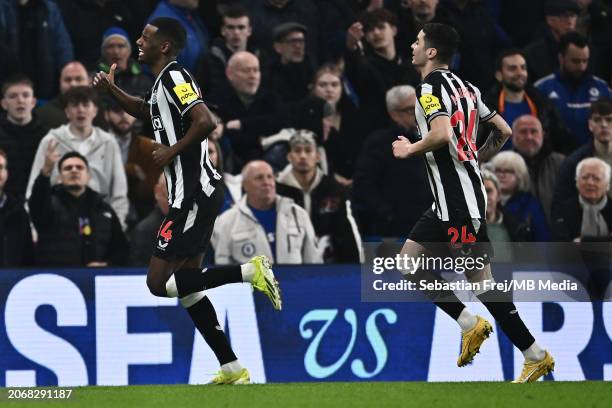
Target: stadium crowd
x: 310, y: 95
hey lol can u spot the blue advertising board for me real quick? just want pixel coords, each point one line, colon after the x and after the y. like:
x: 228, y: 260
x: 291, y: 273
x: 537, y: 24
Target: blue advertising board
x: 84, y: 327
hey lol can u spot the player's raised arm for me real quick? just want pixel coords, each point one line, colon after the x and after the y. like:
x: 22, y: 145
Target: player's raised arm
x: 133, y: 105
x: 496, y: 139
x: 439, y: 135
x: 202, y: 125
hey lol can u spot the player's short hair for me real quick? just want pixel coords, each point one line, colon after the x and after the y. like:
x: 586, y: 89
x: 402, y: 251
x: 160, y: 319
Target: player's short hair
x: 70, y: 155
x: 371, y: 19
x: 234, y: 10
x: 514, y: 161
x: 443, y: 38
x: 499, y: 61
x: 602, y: 107
x: 397, y: 94
x: 79, y: 94
x: 572, y: 37
x: 171, y: 30
x: 594, y: 160
x: 17, y: 79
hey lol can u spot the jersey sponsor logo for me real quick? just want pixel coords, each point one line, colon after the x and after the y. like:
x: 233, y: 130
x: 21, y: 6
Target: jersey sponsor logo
x: 157, y: 123
x: 185, y: 93
x: 430, y: 103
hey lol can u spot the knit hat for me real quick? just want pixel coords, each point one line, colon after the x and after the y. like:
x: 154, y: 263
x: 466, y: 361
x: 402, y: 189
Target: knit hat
x: 119, y: 32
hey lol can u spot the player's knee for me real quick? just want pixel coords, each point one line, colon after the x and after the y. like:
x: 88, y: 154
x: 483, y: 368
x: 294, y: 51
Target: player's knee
x: 156, y: 287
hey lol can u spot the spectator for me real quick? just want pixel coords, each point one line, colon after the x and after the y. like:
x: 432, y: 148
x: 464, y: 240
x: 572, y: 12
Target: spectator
x: 247, y: 111
x: 52, y: 113
x: 105, y: 169
x: 144, y: 234
x: 413, y: 15
x: 236, y: 31
x: 530, y: 13
x: 75, y: 226
x: 375, y: 69
x: 197, y: 35
x: 481, y: 41
x: 267, y: 14
x: 392, y: 204
x: 136, y: 156
x: 20, y: 132
x: 324, y: 199
x: 513, y: 97
x: 511, y: 170
x: 600, y: 124
x: 543, y: 164
x: 502, y: 227
x: 590, y: 214
x: 329, y: 112
x: 572, y: 88
x: 290, y: 71
x: 264, y: 223
x: 86, y: 20
x: 116, y: 49
x: 16, y: 247
x: 231, y: 184
x: 542, y: 54
x: 36, y: 37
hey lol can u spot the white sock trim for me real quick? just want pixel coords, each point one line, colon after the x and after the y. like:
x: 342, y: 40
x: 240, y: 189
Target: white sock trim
x: 534, y: 353
x: 232, y: 367
x: 171, y: 289
x: 466, y: 320
x: 192, y: 299
x: 248, y: 272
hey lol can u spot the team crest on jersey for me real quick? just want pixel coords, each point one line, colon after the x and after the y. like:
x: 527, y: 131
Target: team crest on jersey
x: 157, y: 123
x: 185, y: 93
x: 430, y: 103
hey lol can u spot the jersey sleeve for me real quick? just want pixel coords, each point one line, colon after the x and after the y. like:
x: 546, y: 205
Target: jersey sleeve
x: 431, y: 101
x: 182, y: 90
x: 484, y: 112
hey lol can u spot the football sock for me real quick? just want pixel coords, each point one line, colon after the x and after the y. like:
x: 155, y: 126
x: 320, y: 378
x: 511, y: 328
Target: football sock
x: 466, y: 320
x: 205, y: 319
x: 248, y: 272
x: 504, y: 311
x: 444, y: 299
x: 231, y: 367
x: 190, y: 280
x: 534, y: 353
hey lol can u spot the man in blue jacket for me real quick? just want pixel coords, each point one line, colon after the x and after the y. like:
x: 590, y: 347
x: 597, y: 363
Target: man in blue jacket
x: 573, y: 88
x: 35, y: 35
x: 197, y: 33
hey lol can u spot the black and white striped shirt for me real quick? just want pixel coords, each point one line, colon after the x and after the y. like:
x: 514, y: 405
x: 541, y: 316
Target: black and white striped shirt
x: 453, y: 171
x: 173, y: 94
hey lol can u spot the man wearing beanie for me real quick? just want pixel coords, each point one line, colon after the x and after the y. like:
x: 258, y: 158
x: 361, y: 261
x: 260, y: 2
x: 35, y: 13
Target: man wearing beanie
x: 116, y: 49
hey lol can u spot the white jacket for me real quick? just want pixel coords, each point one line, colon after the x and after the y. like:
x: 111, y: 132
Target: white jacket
x: 105, y: 165
x: 238, y: 236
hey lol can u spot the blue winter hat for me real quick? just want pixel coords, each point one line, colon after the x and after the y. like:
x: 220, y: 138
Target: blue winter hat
x: 116, y: 32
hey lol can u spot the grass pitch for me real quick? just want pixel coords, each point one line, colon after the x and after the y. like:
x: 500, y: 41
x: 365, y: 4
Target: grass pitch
x: 588, y: 394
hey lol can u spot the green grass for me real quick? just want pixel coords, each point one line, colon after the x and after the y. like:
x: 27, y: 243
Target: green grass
x: 588, y: 394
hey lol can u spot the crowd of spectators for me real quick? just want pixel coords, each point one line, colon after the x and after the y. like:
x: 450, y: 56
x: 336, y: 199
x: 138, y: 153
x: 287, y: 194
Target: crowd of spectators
x: 310, y: 95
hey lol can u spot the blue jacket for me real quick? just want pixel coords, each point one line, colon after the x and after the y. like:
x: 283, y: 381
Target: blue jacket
x: 197, y: 34
x: 54, y: 46
x: 573, y: 100
x: 527, y: 209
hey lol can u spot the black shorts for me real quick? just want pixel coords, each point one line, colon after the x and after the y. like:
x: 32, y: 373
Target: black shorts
x: 186, y: 232
x: 456, y: 238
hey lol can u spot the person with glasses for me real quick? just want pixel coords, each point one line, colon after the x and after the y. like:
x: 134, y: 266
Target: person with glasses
x: 75, y: 226
x: 511, y: 170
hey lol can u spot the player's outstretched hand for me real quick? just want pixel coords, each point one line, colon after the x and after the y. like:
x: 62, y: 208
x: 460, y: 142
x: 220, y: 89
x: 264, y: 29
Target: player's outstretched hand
x: 402, y: 147
x: 162, y: 154
x: 104, y: 81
